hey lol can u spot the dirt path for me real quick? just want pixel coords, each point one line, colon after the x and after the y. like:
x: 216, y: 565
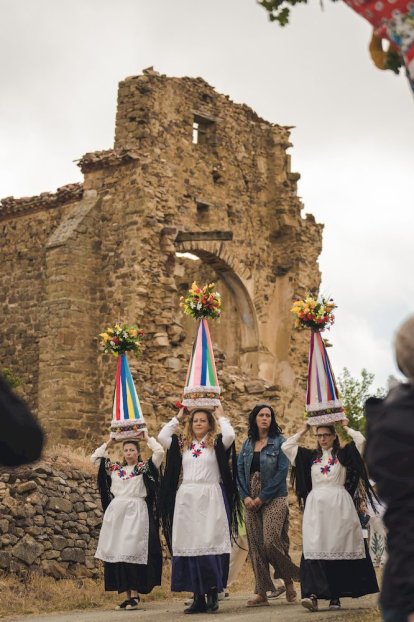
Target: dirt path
x: 231, y: 610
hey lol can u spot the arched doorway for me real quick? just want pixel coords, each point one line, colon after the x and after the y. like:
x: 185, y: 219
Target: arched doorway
x: 236, y: 334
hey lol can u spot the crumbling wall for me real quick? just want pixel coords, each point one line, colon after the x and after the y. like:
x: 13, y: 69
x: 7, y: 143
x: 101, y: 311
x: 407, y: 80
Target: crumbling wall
x: 190, y: 171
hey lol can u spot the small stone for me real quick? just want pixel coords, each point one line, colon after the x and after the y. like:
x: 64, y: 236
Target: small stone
x: 5, y: 557
x: 161, y: 340
x: 27, y: 550
x: 26, y: 487
x: 58, y: 542
x: 60, y: 504
x: 254, y: 387
x: 54, y: 569
x: 73, y: 555
x: 173, y: 363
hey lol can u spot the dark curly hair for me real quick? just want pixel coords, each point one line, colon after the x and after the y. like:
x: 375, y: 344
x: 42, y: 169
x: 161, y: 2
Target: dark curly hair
x: 253, y: 432
x: 336, y: 444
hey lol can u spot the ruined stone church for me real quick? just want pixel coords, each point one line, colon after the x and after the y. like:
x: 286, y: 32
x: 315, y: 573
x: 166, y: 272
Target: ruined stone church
x: 195, y: 187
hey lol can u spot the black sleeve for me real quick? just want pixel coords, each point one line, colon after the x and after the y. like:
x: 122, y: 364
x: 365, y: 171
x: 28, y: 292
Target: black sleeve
x: 104, y: 484
x: 168, y: 490
x: 301, y: 477
x: 21, y: 437
x: 357, y: 481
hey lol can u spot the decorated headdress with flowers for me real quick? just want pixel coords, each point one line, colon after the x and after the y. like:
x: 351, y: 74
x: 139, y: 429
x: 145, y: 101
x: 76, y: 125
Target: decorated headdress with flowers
x: 202, y: 386
x: 323, y: 404
x: 127, y: 418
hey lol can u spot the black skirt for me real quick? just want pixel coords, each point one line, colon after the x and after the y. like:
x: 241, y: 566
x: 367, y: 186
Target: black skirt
x: 121, y: 576
x: 331, y: 579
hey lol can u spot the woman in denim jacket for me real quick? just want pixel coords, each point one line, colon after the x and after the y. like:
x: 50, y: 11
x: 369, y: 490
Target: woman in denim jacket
x: 262, y: 471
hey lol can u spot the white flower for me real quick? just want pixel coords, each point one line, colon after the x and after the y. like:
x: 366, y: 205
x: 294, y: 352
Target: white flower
x: 125, y: 335
x: 199, y: 306
x: 192, y: 305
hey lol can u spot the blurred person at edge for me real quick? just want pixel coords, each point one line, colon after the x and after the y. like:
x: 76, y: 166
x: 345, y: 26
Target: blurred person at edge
x: 21, y: 437
x: 390, y: 458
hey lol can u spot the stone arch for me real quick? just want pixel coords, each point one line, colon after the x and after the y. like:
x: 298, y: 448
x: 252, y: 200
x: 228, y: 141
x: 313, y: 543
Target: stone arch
x: 236, y: 278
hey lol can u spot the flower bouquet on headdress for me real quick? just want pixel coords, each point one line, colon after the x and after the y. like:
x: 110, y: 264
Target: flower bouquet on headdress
x: 201, y: 386
x: 127, y: 418
x: 323, y: 405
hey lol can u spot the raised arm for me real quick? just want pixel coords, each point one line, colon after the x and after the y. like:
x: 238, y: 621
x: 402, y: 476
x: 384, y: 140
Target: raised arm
x: 357, y: 437
x: 157, y: 451
x: 165, y: 435
x: 99, y: 453
x: 290, y: 446
x: 227, y: 430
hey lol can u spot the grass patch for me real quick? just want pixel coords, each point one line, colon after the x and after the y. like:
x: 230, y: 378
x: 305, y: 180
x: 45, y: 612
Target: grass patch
x: 41, y: 594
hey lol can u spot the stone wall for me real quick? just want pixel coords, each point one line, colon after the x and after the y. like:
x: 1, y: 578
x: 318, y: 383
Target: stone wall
x: 49, y: 520
x: 190, y: 172
x: 50, y: 517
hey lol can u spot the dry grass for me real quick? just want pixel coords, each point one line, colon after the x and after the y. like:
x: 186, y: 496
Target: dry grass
x: 40, y: 594
x: 64, y: 457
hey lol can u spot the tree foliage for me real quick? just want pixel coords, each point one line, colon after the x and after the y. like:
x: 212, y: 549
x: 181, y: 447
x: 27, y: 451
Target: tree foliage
x: 354, y: 393
x: 278, y: 10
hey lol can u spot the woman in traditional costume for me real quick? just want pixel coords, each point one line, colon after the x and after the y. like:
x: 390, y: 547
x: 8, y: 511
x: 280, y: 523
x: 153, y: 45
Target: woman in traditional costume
x: 129, y: 543
x: 262, y: 472
x: 335, y: 561
x: 196, y: 517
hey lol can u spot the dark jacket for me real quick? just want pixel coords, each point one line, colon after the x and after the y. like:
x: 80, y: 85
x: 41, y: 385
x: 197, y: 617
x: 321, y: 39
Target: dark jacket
x: 274, y: 467
x: 390, y: 458
x: 21, y: 437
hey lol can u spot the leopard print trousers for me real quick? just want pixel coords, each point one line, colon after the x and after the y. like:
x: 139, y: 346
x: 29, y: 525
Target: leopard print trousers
x: 267, y: 533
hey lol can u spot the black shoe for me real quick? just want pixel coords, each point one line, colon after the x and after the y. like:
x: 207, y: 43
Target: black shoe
x: 122, y: 605
x: 335, y: 604
x: 133, y: 603
x: 212, y: 600
x: 198, y: 605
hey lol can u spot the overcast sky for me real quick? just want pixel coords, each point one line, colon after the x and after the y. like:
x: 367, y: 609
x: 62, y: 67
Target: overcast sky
x: 61, y: 61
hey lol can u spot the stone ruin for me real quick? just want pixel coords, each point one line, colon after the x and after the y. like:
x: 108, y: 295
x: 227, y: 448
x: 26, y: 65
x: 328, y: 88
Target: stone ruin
x: 195, y: 187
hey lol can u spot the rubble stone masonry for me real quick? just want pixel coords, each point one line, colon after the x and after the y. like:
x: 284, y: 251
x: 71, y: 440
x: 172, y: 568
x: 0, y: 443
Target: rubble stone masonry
x: 190, y: 172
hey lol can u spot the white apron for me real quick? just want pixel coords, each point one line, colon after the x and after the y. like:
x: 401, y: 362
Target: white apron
x: 200, y: 525
x: 331, y: 527
x: 125, y: 528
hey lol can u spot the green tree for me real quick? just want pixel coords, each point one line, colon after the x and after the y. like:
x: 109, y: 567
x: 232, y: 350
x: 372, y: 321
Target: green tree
x: 278, y: 10
x: 354, y: 393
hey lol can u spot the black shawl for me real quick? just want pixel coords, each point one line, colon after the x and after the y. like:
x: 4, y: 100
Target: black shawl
x: 227, y: 463
x: 151, y: 480
x: 349, y: 457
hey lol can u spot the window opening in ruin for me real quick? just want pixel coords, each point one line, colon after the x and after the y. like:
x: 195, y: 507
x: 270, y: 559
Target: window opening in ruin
x: 203, y: 129
x: 202, y: 208
x: 195, y: 133
x: 188, y: 256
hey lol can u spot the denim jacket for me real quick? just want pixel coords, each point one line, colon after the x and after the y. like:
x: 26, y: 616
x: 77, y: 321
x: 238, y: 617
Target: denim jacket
x: 274, y: 466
